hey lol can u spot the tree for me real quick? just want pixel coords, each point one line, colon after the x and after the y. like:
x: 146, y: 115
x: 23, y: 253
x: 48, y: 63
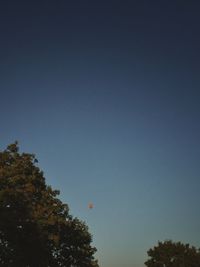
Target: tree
x: 170, y: 254
x: 36, y: 229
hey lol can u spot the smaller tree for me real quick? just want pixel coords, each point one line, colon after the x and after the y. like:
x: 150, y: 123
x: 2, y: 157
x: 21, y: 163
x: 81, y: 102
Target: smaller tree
x: 170, y: 254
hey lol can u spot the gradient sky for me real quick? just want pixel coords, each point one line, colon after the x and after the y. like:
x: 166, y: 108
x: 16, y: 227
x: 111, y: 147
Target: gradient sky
x: 107, y: 95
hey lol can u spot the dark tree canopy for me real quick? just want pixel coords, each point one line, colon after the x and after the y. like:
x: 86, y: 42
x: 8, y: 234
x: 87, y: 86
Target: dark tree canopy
x: 170, y: 254
x: 36, y: 229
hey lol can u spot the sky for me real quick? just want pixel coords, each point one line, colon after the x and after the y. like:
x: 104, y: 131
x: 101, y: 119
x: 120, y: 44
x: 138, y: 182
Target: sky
x: 106, y: 94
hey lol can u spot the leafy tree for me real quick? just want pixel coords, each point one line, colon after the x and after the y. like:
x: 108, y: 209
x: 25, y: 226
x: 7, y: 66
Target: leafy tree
x: 170, y: 254
x: 36, y: 229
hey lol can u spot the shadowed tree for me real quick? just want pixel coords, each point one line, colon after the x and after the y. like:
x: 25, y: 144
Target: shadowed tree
x: 170, y: 254
x: 36, y: 228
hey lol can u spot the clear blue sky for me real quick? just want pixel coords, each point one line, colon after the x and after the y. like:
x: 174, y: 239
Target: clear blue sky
x: 106, y: 94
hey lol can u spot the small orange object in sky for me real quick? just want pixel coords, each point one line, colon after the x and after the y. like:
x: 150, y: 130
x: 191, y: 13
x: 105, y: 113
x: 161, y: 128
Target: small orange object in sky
x: 90, y: 206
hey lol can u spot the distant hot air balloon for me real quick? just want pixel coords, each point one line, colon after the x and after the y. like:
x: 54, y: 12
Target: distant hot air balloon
x: 90, y: 206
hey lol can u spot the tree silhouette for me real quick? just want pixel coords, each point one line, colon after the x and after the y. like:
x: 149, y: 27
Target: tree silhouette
x: 36, y: 229
x: 170, y: 254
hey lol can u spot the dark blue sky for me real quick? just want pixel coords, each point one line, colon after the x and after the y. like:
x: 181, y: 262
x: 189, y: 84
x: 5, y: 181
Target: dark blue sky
x: 106, y: 94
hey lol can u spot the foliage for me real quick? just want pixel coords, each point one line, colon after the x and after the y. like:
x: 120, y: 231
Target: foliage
x: 170, y: 254
x: 35, y: 226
